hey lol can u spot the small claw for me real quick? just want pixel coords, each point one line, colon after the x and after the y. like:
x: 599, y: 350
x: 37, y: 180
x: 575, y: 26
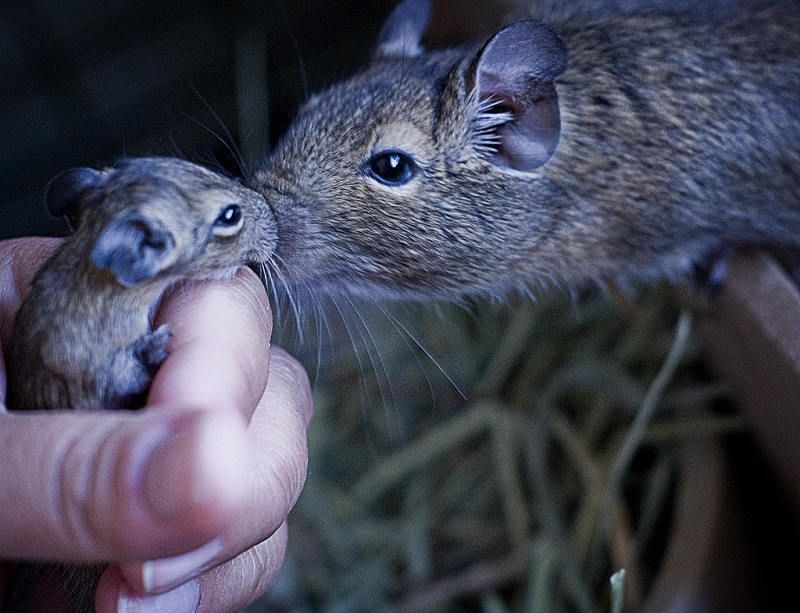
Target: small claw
x: 151, y: 349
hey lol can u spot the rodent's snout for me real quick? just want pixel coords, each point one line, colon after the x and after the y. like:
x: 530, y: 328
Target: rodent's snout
x: 267, y: 234
x: 265, y: 237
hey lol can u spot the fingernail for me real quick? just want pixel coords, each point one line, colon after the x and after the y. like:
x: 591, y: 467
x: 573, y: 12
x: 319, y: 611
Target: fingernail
x: 163, y: 574
x: 204, y: 462
x: 183, y: 599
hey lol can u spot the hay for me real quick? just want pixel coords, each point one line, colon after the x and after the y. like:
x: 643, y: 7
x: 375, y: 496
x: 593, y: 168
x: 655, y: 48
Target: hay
x: 514, y: 464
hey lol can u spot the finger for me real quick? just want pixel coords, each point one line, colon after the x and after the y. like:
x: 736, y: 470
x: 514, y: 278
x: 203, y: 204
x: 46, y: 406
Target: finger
x: 277, y: 436
x: 240, y: 581
x: 119, y: 486
x: 20, y: 258
x: 219, y: 352
x: 228, y: 587
x: 72, y: 458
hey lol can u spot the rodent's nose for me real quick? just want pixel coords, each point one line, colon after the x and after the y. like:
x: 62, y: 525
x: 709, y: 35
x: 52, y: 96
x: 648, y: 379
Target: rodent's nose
x: 266, y: 235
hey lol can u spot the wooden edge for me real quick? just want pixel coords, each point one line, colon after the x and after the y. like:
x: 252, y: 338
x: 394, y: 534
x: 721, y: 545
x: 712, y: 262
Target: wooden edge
x: 751, y: 338
x: 706, y: 566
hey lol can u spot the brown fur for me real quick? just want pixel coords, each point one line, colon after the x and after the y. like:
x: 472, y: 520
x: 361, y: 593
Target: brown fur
x: 678, y: 134
x: 83, y: 338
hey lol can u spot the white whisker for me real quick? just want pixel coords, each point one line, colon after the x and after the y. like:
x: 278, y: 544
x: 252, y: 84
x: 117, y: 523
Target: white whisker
x: 377, y: 361
x: 405, y: 333
x: 290, y: 297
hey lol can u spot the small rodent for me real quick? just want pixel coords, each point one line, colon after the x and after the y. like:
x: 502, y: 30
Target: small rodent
x: 83, y: 337
x: 603, y: 149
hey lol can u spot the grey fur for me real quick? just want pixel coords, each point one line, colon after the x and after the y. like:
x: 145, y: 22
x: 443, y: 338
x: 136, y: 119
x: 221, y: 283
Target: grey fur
x: 680, y: 133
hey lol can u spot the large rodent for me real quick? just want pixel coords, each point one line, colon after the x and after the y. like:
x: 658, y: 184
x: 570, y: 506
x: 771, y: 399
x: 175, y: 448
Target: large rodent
x: 83, y: 338
x: 625, y: 146
x: 604, y: 149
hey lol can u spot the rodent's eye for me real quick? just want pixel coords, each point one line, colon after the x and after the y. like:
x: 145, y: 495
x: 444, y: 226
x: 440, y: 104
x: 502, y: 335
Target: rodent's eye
x: 392, y: 168
x: 229, y: 221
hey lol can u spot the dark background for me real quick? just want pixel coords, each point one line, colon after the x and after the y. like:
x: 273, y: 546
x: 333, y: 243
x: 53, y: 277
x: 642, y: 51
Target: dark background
x: 85, y: 83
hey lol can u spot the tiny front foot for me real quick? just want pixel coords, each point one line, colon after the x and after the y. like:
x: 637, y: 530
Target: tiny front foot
x: 151, y: 348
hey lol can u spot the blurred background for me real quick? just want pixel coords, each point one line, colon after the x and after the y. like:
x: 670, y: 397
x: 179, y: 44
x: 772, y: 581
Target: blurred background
x: 460, y: 456
x: 87, y: 82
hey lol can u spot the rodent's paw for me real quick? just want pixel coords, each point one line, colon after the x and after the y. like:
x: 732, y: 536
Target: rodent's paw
x: 151, y: 348
x: 699, y: 289
x: 133, y: 368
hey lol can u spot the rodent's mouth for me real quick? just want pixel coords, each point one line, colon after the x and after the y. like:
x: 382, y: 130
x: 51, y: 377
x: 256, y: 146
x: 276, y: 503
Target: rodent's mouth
x: 256, y: 255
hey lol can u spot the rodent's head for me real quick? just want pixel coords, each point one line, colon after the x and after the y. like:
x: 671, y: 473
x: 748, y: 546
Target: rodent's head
x: 393, y: 181
x: 163, y: 217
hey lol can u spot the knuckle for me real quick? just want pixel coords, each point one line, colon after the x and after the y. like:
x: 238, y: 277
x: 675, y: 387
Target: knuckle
x: 242, y: 580
x: 79, y: 468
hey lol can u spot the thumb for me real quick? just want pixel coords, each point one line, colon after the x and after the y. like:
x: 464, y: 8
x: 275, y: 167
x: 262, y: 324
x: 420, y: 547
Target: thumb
x: 96, y: 487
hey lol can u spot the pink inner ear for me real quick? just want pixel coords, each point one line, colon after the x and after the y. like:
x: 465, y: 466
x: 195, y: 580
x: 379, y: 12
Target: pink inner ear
x: 515, y: 71
x: 530, y: 139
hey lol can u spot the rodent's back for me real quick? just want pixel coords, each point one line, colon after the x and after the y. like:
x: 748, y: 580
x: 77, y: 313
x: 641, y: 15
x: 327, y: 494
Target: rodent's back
x: 670, y: 136
x: 677, y: 134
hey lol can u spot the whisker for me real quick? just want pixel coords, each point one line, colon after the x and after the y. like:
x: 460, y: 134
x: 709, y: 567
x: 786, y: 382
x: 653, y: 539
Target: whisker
x: 296, y: 48
x: 353, y: 343
x: 228, y: 142
x: 405, y: 333
x: 378, y: 363
x: 289, y: 296
x: 322, y: 323
x: 265, y: 272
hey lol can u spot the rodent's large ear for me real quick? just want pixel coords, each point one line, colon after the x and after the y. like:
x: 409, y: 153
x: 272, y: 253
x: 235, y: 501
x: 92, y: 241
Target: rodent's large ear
x: 402, y: 32
x: 134, y: 248
x: 517, y: 120
x: 65, y: 190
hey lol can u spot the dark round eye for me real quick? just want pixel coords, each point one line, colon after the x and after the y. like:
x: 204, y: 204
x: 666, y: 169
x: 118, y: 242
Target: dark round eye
x: 230, y: 216
x: 228, y: 221
x: 392, y: 167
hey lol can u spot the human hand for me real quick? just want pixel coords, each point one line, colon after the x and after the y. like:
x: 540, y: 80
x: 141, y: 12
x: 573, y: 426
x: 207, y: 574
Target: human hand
x: 197, y: 484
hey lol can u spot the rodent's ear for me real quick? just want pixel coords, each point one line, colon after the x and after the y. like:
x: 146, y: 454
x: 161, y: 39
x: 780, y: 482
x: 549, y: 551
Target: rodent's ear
x: 134, y: 248
x: 401, y: 34
x: 517, y: 118
x: 64, y: 192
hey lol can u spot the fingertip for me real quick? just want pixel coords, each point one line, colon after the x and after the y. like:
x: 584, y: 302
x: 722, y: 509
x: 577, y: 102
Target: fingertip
x: 114, y: 595
x: 238, y: 582
x: 158, y: 576
x: 108, y: 591
x: 219, y: 351
x: 293, y: 380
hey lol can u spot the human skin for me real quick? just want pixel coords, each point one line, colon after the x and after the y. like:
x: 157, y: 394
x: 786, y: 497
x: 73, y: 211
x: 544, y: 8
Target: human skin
x: 189, y: 496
